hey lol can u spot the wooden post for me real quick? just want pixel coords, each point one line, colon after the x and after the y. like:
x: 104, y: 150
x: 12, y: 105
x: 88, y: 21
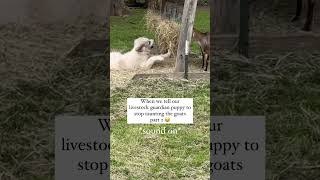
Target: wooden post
x: 244, y: 28
x: 188, y: 17
x: 186, y: 56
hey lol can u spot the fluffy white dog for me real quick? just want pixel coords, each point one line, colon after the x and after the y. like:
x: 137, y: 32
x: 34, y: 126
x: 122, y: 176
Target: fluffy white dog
x: 138, y: 58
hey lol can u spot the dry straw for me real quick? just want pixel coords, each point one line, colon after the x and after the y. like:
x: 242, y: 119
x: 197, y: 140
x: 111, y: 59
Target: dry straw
x: 166, y: 32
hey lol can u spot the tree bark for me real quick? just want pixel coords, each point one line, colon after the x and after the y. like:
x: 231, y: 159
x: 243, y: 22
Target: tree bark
x: 118, y: 8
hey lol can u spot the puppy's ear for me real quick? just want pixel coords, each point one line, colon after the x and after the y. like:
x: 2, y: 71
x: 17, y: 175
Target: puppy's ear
x: 139, y: 48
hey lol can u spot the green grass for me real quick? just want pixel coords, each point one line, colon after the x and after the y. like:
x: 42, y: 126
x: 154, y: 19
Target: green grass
x: 184, y: 155
x: 125, y: 29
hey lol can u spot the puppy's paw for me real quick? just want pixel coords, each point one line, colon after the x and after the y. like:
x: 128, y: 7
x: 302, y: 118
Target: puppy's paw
x: 168, y: 54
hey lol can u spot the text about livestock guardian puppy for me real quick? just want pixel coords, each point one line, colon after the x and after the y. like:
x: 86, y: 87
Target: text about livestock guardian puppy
x: 160, y: 110
x: 237, y: 147
x: 82, y: 147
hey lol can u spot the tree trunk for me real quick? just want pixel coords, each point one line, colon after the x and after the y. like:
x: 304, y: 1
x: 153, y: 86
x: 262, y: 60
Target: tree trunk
x: 226, y: 16
x: 118, y: 8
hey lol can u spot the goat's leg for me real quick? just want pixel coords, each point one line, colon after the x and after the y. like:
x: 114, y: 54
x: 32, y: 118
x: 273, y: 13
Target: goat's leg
x: 308, y: 23
x: 202, y: 55
x: 207, y: 61
x: 298, y: 11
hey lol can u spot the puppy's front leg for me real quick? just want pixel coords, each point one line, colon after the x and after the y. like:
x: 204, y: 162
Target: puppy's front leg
x: 149, y: 63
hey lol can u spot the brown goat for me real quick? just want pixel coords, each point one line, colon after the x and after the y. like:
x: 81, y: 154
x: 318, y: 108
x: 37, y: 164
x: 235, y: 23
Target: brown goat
x: 203, y: 40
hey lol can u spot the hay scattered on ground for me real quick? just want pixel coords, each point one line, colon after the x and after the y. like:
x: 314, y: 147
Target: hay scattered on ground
x: 37, y: 84
x: 286, y: 89
x: 166, y: 32
x: 272, y: 17
x: 120, y: 79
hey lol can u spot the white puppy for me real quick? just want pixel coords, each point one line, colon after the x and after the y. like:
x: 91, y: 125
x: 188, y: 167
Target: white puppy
x: 138, y: 58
